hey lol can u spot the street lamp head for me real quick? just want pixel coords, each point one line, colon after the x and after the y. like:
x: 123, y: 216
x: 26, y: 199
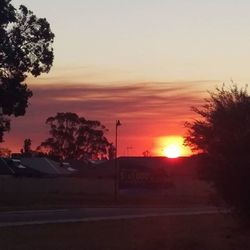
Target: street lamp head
x: 118, y: 123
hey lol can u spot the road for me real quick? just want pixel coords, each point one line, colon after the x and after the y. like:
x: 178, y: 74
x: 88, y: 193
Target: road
x: 38, y: 217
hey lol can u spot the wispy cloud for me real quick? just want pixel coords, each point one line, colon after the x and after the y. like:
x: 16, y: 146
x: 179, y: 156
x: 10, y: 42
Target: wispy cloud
x: 130, y: 98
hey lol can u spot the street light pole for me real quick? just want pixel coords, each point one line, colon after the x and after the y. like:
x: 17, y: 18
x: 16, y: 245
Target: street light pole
x: 117, y: 123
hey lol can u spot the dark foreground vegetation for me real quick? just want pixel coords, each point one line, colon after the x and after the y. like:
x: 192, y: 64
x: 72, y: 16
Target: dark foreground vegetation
x: 203, y: 232
x: 222, y: 134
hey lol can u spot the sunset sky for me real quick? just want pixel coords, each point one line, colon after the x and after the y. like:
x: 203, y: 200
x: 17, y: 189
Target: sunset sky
x: 144, y: 62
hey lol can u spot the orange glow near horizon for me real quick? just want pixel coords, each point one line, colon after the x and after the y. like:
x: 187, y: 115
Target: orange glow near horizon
x: 171, y: 147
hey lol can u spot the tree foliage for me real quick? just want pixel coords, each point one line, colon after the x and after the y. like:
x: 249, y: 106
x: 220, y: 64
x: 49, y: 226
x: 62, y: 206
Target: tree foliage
x: 26, y: 150
x: 25, y: 48
x: 223, y: 135
x: 74, y: 137
x: 5, y: 152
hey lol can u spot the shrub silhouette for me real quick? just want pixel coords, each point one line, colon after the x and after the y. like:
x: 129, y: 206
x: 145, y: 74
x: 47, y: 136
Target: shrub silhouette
x: 222, y: 134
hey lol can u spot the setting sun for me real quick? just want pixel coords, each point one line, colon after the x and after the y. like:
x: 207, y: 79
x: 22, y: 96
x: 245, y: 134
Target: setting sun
x: 172, y: 151
x: 171, y: 146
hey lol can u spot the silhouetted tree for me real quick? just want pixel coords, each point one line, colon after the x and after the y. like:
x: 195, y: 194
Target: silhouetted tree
x: 74, y: 137
x: 111, y: 151
x: 4, y: 125
x: 222, y: 134
x: 26, y: 150
x: 146, y: 153
x: 25, y: 48
x: 5, y: 152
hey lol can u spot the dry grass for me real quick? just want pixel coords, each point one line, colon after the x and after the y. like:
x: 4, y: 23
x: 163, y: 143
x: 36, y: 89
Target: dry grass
x: 203, y: 232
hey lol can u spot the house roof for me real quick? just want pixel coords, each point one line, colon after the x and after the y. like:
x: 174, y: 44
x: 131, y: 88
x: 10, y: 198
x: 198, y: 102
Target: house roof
x: 4, y: 167
x: 45, y: 166
x: 84, y: 168
x: 23, y: 170
x: 14, y: 167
